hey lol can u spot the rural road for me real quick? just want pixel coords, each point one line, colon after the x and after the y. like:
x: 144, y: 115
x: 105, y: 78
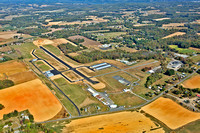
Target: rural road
x: 79, y: 113
x: 110, y: 111
x: 122, y: 109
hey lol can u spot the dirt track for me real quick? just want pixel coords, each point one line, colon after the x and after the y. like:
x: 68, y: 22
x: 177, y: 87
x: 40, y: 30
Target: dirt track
x: 32, y: 95
x: 170, y: 113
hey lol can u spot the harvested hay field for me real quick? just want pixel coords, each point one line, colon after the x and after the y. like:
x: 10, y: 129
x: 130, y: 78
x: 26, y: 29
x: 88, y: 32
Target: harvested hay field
x: 174, y: 26
x: 161, y: 19
x: 32, y: 95
x: 113, y: 123
x: 170, y: 113
x: 87, y: 42
x: 61, y: 41
x: 5, y: 48
x: 55, y: 42
x: 94, y: 19
x: 9, y: 34
x: 196, y: 49
x: 41, y: 42
x: 22, y: 77
x: 12, y: 67
x: 175, y: 34
x: 192, y: 83
x: 140, y: 25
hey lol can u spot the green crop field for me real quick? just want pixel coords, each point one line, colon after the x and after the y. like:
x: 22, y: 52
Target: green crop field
x: 182, y: 50
x: 109, y: 35
x: 25, y: 49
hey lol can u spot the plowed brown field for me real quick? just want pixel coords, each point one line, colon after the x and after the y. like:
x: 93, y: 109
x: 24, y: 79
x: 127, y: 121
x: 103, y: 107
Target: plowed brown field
x: 123, y: 122
x: 32, y: 95
x: 170, y: 113
x: 192, y: 83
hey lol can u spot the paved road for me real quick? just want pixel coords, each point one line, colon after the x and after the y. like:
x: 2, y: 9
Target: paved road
x: 123, y: 69
x: 122, y: 109
x: 71, y: 68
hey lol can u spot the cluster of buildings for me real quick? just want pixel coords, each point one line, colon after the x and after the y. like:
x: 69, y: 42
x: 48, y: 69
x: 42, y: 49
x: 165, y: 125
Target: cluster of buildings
x: 102, y: 98
x: 154, y: 69
x: 127, y: 62
x: 100, y: 66
x: 122, y: 80
x: 175, y: 64
x: 106, y: 46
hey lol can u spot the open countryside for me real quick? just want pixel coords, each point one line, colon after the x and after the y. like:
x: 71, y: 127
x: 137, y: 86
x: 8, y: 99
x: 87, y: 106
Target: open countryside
x: 110, y: 66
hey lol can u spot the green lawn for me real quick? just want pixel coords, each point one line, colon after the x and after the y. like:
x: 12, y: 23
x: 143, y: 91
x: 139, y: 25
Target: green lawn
x: 110, y: 35
x: 53, y: 49
x: 42, y: 66
x: 112, y: 85
x: 25, y: 49
x: 73, y: 91
x: 182, y: 50
x: 126, y: 99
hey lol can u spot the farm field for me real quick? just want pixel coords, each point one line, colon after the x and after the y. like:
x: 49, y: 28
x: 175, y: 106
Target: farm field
x: 109, y: 35
x: 11, y: 34
x: 161, y: 19
x: 25, y: 49
x: 170, y: 113
x: 182, y: 50
x: 175, y: 34
x: 22, y: 77
x: 16, y: 71
x: 174, y: 26
x: 94, y: 19
x: 55, y: 42
x: 26, y: 95
x: 192, y: 127
x: 113, y: 85
x: 140, y: 25
x: 126, y: 99
x: 12, y: 67
x: 116, y: 122
x: 192, y: 83
x: 129, y: 49
x: 87, y: 42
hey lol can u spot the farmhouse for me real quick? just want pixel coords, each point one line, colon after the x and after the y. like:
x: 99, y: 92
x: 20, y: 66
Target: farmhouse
x: 106, y: 46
